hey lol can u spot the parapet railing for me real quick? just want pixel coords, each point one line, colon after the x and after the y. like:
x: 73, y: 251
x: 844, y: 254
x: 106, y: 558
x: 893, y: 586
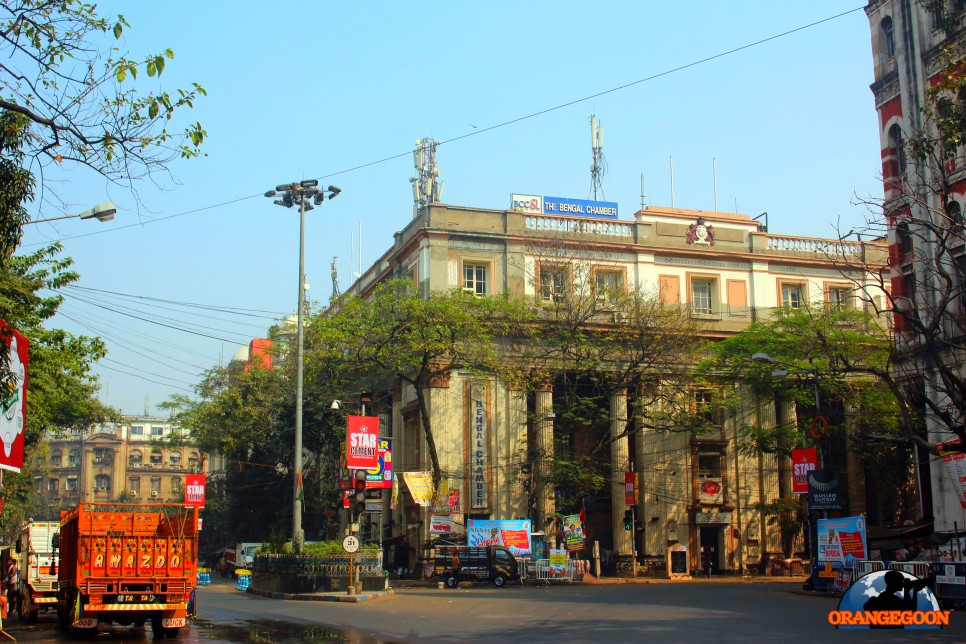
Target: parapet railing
x: 612, y: 228
x: 313, y: 566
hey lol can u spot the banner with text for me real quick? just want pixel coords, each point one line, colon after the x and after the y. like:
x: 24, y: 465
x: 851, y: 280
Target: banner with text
x: 194, y: 490
x: 420, y: 485
x: 803, y: 462
x: 954, y: 462
x: 842, y: 540
x: 362, y: 440
x: 513, y: 534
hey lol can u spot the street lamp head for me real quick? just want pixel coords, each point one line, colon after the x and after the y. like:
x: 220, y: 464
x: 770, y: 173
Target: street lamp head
x: 334, y: 191
x: 309, y: 183
x: 336, y: 404
x: 762, y: 358
x: 779, y: 373
x: 285, y: 187
x: 103, y: 211
x: 270, y: 194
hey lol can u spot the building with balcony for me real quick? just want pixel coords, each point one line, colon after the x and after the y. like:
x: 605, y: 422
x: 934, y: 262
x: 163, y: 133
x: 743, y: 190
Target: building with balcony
x: 143, y: 459
x: 726, y: 269
x: 923, y: 205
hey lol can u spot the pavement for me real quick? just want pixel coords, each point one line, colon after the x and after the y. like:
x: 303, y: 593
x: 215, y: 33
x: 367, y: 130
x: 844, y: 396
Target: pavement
x: 794, y: 583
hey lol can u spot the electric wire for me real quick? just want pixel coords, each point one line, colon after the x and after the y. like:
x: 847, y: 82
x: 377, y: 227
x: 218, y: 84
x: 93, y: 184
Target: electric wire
x: 490, y: 128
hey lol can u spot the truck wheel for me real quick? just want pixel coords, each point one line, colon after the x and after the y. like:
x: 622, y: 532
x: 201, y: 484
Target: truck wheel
x: 157, y: 630
x: 172, y: 633
x: 500, y: 580
x: 452, y: 581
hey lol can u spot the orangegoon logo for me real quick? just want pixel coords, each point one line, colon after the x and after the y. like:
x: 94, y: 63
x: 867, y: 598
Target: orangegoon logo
x: 888, y: 599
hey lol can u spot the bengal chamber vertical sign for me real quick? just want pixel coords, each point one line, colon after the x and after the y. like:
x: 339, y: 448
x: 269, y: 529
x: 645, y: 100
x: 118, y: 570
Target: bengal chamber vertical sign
x: 13, y: 399
x: 362, y: 441
x: 194, y: 490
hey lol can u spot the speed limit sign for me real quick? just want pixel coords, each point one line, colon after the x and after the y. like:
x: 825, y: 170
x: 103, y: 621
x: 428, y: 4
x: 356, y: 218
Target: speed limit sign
x: 350, y: 544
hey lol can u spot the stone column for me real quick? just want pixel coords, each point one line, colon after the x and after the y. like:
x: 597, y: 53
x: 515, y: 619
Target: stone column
x: 543, y: 448
x: 787, y: 417
x: 620, y: 463
x: 853, y: 467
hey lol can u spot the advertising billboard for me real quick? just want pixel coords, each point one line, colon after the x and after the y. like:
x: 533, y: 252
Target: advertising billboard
x: 13, y: 399
x: 362, y: 441
x: 513, y: 534
x: 803, y: 462
x: 842, y: 540
x: 563, y: 206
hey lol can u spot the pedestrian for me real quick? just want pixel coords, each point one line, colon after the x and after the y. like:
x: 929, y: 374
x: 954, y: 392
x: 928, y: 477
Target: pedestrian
x: 11, y: 580
x: 456, y: 568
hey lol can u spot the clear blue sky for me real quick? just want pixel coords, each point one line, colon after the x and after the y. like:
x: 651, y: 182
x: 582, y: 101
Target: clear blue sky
x: 312, y: 89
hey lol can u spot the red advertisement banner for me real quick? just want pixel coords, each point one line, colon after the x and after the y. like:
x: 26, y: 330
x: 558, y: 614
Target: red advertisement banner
x: 194, y: 490
x: 13, y: 399
x: 803, y: 462
x: 362, y: 443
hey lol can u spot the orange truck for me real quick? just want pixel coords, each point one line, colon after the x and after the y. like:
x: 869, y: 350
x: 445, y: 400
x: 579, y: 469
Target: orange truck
x: 127, y: 564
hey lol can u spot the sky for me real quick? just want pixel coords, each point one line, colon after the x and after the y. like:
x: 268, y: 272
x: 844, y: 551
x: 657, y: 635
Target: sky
x: 196, y: 267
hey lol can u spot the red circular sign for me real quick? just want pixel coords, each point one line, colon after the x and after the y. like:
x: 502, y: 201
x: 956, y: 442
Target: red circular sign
x: 710, y: 488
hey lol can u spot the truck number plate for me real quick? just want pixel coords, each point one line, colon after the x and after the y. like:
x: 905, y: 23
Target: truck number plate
x: 135, y: 599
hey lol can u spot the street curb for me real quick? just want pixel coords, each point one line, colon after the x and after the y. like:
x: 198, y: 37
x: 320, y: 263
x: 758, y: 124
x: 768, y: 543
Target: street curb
x: 323, y: 597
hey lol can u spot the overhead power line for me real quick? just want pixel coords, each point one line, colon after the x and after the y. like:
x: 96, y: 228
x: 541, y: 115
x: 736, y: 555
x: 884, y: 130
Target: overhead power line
x: 497, y: 126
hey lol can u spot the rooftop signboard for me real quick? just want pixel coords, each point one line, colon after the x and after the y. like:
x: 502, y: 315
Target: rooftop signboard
x: 563, y: 206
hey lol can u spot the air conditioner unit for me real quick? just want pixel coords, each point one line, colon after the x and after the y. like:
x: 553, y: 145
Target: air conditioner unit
x: 154, y: 492
x: 134, y: 492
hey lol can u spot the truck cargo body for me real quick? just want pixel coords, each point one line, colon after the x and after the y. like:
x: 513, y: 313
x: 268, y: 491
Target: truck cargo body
x: 127, y: 564
x: 38, y: 568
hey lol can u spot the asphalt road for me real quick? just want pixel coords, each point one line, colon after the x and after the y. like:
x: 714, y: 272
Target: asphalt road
x: 662, y: 612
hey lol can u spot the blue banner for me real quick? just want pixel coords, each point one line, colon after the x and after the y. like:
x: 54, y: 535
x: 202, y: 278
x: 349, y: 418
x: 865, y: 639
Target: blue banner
x: 579, y: 208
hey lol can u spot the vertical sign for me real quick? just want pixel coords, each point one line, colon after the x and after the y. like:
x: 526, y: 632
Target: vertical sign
x: 194, y: 490
x: 363, y: 443
x: 479, y: 462
x: 803, y: 462
x: 954, y: 462
x: 630, y: 488
x: 13, y: 399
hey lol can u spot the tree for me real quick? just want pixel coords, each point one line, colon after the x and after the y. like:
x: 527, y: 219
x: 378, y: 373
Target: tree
x: 79, y: 97
x: 16, y: 183
x: 396, y: 334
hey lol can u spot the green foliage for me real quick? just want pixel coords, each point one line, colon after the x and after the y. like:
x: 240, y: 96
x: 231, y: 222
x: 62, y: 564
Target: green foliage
x: 78, y: 92
x: 790, y: 515
x: 16, y: 182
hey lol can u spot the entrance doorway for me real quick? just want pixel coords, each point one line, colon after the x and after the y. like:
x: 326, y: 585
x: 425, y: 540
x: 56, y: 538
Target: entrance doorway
x: 709, y: 549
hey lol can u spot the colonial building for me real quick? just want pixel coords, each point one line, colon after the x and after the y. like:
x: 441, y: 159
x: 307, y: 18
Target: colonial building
x: 726, y: 269
x: 923, y: 205
x: 143, y: 459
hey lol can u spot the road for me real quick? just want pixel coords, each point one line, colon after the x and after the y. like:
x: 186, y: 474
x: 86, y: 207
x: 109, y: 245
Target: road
x: 666, y: 612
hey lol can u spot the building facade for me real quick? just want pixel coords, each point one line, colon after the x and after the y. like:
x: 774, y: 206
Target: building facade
x: 724, y: 268
x: 143, y: 459
x: 923, y: 205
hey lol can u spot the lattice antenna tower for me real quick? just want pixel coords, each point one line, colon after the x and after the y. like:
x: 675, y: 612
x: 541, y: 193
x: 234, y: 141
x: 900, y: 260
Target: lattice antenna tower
x: 598, y: 168
x: 427, y: 186
x: 335, y: 279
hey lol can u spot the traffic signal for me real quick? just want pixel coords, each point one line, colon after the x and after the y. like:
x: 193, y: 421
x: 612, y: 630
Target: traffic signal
x: 360, y: 495
x: 628, y: 520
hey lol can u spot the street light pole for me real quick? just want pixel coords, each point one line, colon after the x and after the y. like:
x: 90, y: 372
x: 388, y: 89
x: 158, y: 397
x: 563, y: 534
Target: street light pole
x: 300, y: 191
x: 102, y: 212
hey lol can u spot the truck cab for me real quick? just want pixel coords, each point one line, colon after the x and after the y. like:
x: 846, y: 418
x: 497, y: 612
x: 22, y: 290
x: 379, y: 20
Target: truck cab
x: 36, y: 545
x: 495, y: 564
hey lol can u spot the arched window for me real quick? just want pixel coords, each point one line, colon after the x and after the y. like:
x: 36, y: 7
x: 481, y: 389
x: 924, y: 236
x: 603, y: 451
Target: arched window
x: 56, y: 458
x: 156, y: 457
x: 174, y: 458
x: 193, y: 461
x: 102, y: 482
x: 888, y: 37
x: 135, y: 458
x: 898, y: 147
x: 954, y: 211
x: 73, y: 458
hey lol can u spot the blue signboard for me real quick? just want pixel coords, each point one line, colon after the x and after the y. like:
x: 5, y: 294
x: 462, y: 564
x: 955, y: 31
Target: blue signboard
x: 579, y: 207
x: 563, y: 206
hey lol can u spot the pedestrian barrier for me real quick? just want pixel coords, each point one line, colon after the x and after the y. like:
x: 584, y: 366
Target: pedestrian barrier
x: 546, y: 573
x: 918, y: 568
x: 949, y: 583
x: 865, y: 567
x: 244, y: 580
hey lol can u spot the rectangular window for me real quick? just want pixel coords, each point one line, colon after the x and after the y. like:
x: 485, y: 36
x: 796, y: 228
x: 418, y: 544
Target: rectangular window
x: 474, y: 279
x: 53, y: 485
x: 55, y: 460
x: 793, y: 296
x: 608, y: 284
x: 155, y: 486
x: 704, y: 408
x: 137, y: 430
x: 709, y: 466
x: 71, y: 484
x: 553, y: 283
x: 840, y: 296
x: 702, y: 296
x: 157, y: 431
x: 134, y: 485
